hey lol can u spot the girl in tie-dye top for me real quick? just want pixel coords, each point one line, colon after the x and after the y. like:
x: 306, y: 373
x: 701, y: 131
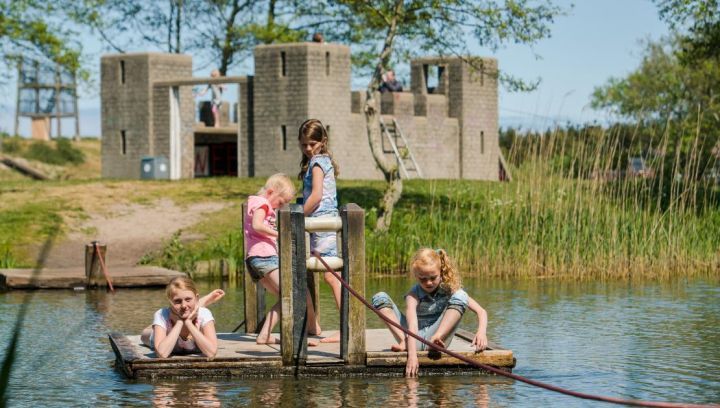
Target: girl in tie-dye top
x: 318, y: 171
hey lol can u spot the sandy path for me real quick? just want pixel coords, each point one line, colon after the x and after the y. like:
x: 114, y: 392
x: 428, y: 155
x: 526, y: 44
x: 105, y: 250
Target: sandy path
x: 129, y: 230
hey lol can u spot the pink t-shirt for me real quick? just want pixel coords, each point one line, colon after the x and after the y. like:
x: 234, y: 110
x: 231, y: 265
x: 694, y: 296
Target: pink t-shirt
x: 257, y: 243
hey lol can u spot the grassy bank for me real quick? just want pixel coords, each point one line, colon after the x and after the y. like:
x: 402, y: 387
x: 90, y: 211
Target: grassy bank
x: 565, y: 213
x: 530, y: 227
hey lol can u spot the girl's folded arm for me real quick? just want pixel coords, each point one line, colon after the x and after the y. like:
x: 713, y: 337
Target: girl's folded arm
x: 258, y: 223
x: 313, y: 200
x: 205, y: 339
x: 165, y: 341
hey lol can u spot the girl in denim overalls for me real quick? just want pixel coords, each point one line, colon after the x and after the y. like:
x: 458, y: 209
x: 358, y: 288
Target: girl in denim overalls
x: 435, y: 306
x: 318, y: 171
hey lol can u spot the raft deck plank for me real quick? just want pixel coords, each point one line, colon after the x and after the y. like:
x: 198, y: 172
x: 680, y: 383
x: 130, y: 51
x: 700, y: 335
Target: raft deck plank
x: 239, y: 356
x: 68, y: 278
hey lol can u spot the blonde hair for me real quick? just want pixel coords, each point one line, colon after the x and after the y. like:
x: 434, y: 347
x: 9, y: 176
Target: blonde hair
x: 279, y: 183
x: 427, y: 257
x: 180, y: 283
x: 313, y: 129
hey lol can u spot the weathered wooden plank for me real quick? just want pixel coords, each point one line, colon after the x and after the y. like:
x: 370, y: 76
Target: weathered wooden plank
x: 286, y: 310
x: 300, y: 284
x: 68, y: 278
x: 93, y: 271
x: 499, y: 358
x: 353, y: 311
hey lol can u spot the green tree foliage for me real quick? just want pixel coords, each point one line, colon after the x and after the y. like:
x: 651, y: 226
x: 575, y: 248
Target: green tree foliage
x: 26, y: 29
x: 390, y: 30
x: 699, y: 21
x: 219, y: 33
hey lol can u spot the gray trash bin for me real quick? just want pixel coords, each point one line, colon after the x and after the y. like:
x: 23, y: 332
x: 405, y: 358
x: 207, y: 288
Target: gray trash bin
x: 153, y: 168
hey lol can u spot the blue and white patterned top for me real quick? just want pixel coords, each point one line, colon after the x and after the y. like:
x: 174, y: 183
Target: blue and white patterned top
x: 328, y: 203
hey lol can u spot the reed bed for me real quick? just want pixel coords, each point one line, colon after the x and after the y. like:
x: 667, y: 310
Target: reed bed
x: 571, y: 211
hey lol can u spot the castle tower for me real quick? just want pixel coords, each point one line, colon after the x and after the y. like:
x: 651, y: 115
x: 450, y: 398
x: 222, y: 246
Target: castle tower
x: 136, y: 119
x: 472, y: 95
x: 293, y: 83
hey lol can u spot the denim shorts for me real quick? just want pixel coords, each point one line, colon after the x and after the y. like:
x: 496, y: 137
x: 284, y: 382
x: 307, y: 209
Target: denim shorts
x: 457, y: 302
x: 259, y: 266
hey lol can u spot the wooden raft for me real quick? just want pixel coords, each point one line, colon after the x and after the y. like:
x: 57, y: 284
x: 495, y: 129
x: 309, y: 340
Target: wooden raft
x: 68, y: 278
x: 239, y: 356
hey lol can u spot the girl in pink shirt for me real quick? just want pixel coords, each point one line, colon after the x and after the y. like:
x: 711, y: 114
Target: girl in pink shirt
x: 261, y: 255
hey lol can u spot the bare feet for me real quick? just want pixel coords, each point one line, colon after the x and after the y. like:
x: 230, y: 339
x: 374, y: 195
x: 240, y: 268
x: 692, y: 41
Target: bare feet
x: 312, y: 343
x: 335, y: 338
x: 268, y: 340
x: 398, y: 347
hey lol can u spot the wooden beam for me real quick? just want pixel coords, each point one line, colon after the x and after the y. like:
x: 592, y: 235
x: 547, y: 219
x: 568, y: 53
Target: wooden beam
x: 201, y: 81
x: 293, y: 285
x: 352, y: 311
x: 495, y: 358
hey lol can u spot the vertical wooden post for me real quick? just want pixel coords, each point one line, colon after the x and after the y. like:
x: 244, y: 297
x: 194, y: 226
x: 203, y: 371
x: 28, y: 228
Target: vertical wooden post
x: 254, y: 294
x: 293, y: 285
x: 93, y: 274
x: 352, y: 311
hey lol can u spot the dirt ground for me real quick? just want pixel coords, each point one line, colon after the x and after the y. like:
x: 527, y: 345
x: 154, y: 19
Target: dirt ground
x: 129, y: 230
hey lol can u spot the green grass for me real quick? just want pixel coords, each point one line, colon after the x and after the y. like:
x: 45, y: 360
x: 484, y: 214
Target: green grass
x: 550, y: 221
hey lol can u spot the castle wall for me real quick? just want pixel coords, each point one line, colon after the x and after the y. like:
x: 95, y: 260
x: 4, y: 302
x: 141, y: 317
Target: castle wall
x: 280, y: 101
x: 131, y: 107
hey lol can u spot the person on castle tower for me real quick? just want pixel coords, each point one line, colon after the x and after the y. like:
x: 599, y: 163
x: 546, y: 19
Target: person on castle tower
x: 318, y: 38
x: 390, y: 84
x: 216, y: 91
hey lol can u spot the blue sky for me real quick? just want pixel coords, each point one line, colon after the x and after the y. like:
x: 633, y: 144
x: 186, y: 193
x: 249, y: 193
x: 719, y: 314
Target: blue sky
x: 597, y: 40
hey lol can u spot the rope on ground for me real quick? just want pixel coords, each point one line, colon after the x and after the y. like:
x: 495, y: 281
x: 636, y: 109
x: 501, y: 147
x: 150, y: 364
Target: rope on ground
x: 637, y: 403
x: 104, y: 269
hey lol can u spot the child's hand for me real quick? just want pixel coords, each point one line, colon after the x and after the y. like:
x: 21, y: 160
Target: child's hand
x: 411, y: 368
x: 435, y: 339
x: 192, y: 316
x: 480, y: 342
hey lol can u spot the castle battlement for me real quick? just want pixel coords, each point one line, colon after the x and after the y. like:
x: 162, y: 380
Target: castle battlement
x: 449, y: 115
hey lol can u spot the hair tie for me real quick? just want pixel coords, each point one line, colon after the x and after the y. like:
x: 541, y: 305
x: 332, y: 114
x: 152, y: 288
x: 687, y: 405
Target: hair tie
x: 437, y: 250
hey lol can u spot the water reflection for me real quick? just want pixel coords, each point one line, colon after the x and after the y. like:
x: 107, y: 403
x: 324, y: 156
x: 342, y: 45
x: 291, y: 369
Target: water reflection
x: 185, y: 395
x: 652, y: 340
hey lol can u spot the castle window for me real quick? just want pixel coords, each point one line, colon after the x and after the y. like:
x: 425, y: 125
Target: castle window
x: 432, y: 77
x: 283, y: 64
x: 482, y: 142
x: 123, y: 143
x: 122, y: 71
x: 327, y: 64
x: 283, y: 137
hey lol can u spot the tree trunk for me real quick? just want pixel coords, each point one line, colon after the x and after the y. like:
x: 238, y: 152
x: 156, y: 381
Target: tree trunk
x: 393, y: 188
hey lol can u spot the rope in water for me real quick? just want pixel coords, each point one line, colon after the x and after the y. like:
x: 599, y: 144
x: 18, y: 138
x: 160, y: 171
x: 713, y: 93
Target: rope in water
x: 637, y: 403
x: 104, y: 269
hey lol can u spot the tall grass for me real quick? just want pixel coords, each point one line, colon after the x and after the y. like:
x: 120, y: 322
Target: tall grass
x: 566, y: 213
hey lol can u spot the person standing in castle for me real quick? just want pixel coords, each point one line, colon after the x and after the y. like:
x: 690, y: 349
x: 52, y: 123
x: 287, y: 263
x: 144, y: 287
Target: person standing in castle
x: 390, y: 84
x: 216, y: 91
x: 317, y: 172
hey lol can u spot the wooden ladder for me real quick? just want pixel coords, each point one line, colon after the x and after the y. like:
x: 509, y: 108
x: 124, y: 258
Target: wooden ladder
x: 401, y: 149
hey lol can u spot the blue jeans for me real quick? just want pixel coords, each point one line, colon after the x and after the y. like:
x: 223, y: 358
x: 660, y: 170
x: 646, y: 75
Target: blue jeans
x: 259, y: 266
x: 425, y: 329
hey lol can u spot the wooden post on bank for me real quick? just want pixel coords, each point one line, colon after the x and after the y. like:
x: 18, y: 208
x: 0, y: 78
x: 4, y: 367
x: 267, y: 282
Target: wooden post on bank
x: 93, y: 273
x: 293, y: 285
x: 254, y: 294
x: 352, y: 311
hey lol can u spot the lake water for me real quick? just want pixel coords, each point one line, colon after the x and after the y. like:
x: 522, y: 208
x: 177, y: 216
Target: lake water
x: 647, y: 340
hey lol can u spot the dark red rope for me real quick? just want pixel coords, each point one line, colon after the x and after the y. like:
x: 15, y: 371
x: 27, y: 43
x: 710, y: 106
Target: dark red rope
x: 637, y: 403
x: 104, y: 269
